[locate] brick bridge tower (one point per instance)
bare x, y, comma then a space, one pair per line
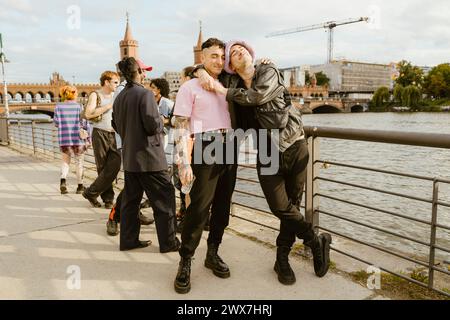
198, 48
128, 46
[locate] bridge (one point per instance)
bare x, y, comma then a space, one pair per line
45, 108
40, 97
318, 105
332, 105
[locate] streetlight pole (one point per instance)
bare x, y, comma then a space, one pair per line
5, 89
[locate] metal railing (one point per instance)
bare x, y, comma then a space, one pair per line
313, 210
29, 136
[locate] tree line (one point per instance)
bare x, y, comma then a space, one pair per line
415, 90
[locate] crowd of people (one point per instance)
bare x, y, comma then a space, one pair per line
129, 125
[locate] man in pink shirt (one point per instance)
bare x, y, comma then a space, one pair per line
198, 112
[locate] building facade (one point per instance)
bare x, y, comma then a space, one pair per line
174, 79
356, 77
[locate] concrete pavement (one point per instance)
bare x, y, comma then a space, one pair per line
46, 238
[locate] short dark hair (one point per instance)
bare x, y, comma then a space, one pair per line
162, 85
211, 42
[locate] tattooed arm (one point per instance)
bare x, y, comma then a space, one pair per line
183, 149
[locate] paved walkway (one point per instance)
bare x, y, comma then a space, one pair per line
43, 233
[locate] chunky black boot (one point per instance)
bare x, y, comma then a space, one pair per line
215, 263
145, 221
285, 273
80, 189
112, 228
183, 280
320, 247
63, 187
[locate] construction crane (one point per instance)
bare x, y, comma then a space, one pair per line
327, 25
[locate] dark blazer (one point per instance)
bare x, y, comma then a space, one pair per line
136, 119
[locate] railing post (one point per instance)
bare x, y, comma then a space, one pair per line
19, 127
4, 136
54, 142
434, 214
312, 184
32, 137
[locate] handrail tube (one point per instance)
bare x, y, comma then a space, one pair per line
375, 190
441, 248
376, 209
257, 223
375, 228
440, 203
422, 263
432, 140
253, 208
398, 255
376, 170
250, 194
247, 180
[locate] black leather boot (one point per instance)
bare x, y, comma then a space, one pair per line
285, 273
183, 280
145, 221
320, 247
63, 187
215, 263
80, 189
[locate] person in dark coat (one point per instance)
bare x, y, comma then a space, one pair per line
136, 119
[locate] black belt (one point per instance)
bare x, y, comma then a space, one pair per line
211, 135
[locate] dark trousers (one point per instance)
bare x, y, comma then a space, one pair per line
284, 191
108, 160
161, 193
212, 189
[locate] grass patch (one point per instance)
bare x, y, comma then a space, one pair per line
252, 238
333, 265
398, 288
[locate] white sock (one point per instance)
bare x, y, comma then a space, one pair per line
64, 170
80, 164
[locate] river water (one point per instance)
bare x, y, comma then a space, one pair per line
428, 162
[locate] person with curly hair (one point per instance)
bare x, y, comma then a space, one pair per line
161, 89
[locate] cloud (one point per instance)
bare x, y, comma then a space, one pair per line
19, 6
78, 45
38, 41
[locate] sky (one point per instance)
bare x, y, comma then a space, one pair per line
41, 37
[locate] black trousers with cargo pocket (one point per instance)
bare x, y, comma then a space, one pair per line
108, 160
